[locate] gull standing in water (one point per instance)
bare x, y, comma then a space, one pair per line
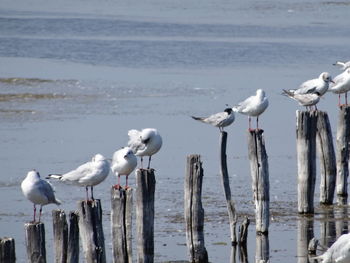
38, 191
320, 85
124, 162
307, 100
220, 120
88, 174
338, 252
341, 85
342, 65
253, 106
146, 142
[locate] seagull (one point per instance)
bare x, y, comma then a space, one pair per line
38, 191
124, 162
341, 85
307, 100
146, 142
320, 85
220, 120
338, 252
342, 65
88, 174
253, 106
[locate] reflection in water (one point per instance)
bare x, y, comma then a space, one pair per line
305, 234
327, 228
262, 253
341, 223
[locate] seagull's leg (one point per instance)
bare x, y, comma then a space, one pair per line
149, 162
34, 213
346, 98
126, 182
92, 193
87, 193
339, 100
41, 209
257, 122
249, 123
141, 162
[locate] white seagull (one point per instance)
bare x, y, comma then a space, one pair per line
38, 191
320, 85
338, 252
307, 100
341, 85
220, 120
253, 106
88, 174
124, 162
342, 65
146, 142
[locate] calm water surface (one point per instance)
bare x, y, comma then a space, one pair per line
75, 76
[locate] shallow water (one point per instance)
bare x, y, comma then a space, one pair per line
75, 76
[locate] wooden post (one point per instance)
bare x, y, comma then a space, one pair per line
243, 254
227, 190
145, 189
60, 235
327, 225
312, 247
343, 141
327, 158
91, 231
7, 250
305, 233
194, 212
260, 179
73, 238
243, 231
121, 220
262, 252
306, 155
35, 242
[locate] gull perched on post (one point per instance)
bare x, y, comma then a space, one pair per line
88, 174
146, 142
320, 85
341, 85
124, 162
220, 120
253, 106
38, 191
307, 100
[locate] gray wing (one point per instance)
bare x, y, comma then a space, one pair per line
244, 104
47, 190
77, 174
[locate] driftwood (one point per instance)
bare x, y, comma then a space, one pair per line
91, 231
343, 141
121, 223
306, 155
145, 189
260, 179
327, 158
194, 212
35, 242
7, 250
226, 186
73, 238
60, 235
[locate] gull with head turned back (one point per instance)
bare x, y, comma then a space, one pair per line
38, 191
88, 174
146, 142
253, 106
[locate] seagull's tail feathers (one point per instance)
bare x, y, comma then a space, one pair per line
54, 176
288, 93
235, 109
197, 118
58, 202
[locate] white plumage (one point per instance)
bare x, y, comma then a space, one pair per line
320, 85
220, 120
124, 162
307, 100
342, 65
146, 142
339, 252
38, 191
341, 85
88, 174
253, 106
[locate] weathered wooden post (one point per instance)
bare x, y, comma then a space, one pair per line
262, 251
304, 235
35, 242
194, 212
91, 231
7, 250
243, 231
260, 179
343, 141
60, 235
227, 190
145, 189
327, 158
306, 155
73, 238
121, 220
